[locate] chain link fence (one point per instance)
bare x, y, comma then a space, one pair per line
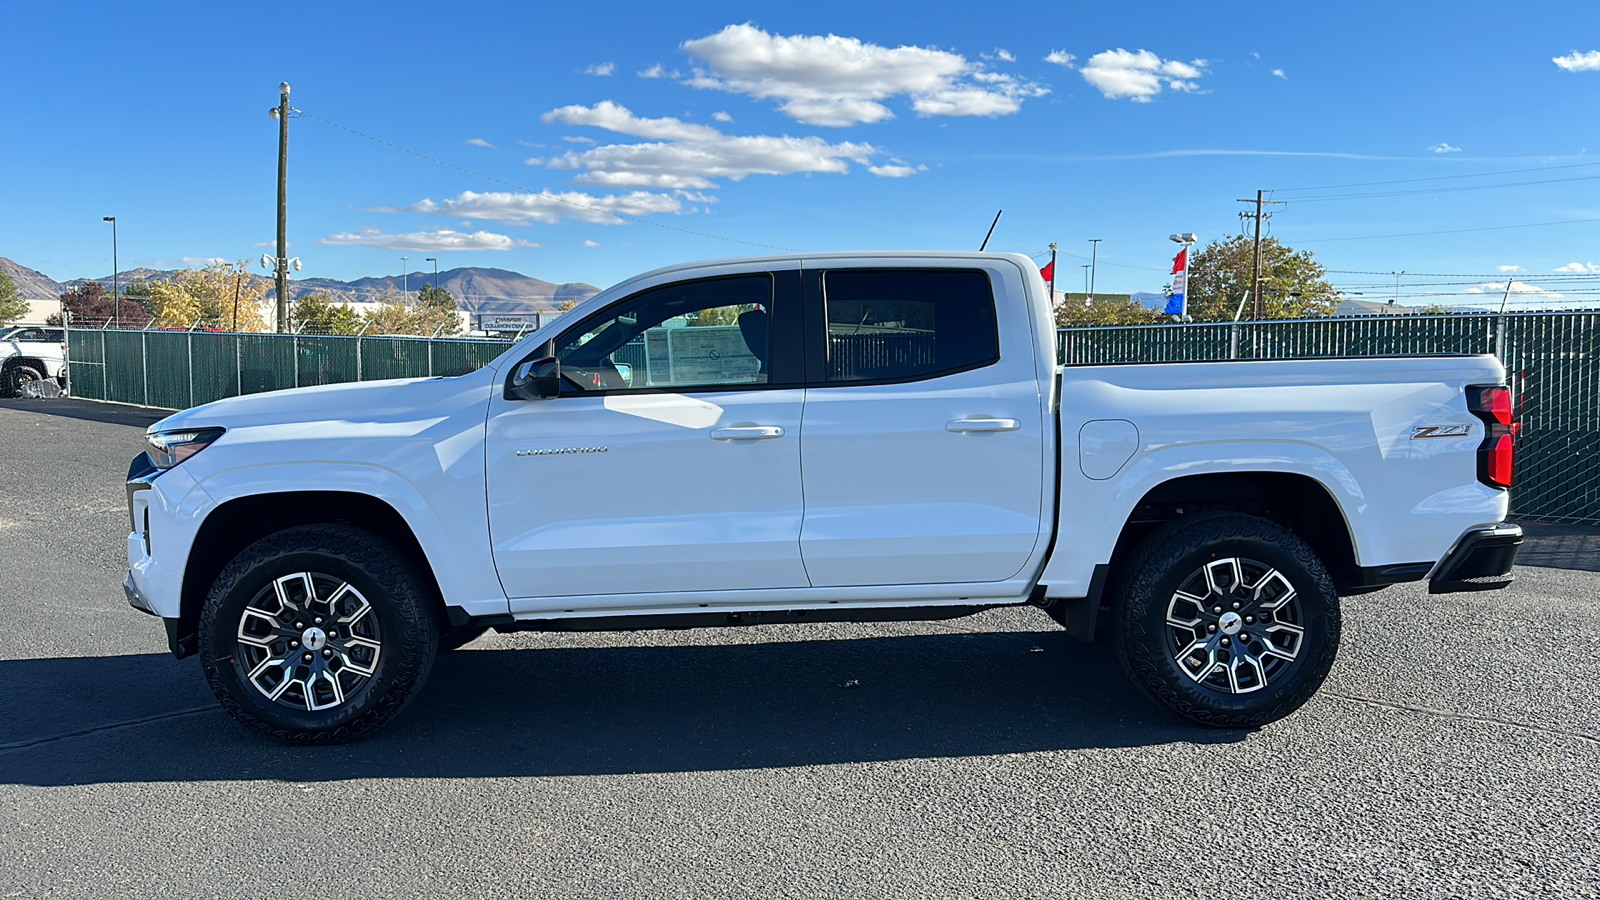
1552, 361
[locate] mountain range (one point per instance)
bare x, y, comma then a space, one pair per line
476, 290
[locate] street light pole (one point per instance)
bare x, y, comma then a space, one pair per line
116, 300
1088, 301
435, 262
1094, 259
404, 284
281, 113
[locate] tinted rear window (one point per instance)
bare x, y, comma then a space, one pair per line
906, 324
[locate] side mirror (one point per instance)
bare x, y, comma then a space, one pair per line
535, 378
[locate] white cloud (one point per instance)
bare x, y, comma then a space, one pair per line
1001, 54
272, 244
1579, 268
1278, 73
1510, 268
601, 69
550, 207
1517, 287
533, 161
1140, 76
1443, 147
199, 262
1579, 62
588, 243
575, 139
480, 142
531, 144
838, 81
896, 169
655, 71
438, 240
721, 116
690, 156
1060, 58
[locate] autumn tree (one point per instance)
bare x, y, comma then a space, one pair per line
221, 295
91, 306
317, 314
1294, 286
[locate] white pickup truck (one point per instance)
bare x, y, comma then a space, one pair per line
29, 354
814, 438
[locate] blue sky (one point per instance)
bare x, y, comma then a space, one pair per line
907, 129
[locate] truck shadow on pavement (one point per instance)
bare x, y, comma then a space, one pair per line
599, 711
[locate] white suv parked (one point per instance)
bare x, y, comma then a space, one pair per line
31, 354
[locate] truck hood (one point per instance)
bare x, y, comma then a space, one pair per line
337, 406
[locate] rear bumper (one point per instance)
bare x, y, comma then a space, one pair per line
1480, 561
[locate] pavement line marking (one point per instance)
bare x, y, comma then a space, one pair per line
1470, 717
25, 745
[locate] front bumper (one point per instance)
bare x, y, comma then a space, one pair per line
1481, 561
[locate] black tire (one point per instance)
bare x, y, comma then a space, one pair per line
1241, 694
371, 671
18, 376
456, 638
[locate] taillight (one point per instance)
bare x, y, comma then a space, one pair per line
1492, 404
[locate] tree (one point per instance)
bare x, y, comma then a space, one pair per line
1106, 311
222, 295
12, 306
92, 307
720, 315
438, 308
1293, 282
402, 315
317, 314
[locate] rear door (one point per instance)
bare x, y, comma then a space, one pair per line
922, 452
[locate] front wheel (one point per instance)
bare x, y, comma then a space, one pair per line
1228, 620
317, 634
18, 378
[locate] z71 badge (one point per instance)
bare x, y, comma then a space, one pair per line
1439, 431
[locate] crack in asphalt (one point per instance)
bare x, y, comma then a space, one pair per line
95, 729
1467, 717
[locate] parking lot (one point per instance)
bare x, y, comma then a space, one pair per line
1453, 751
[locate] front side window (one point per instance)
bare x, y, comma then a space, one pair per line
908, 324
693, 334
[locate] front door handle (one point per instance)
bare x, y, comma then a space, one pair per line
747, 433
982, 424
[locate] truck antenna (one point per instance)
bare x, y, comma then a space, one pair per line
991, 231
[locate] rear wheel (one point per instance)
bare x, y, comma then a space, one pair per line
19, 377
1227, 619
317, 635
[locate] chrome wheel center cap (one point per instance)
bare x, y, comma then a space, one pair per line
316, 638
1230, 624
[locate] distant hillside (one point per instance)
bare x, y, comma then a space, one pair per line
477, 290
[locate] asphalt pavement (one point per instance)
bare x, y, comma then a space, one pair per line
1453, 751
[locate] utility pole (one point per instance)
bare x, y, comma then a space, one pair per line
435, 262
281, 113
1088, 301
405, 284
1094, 258
1255, 270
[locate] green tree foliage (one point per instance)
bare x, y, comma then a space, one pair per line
1073, 313
91, 306
721, 315
438, 307
1294, 286
316, 314
12, 306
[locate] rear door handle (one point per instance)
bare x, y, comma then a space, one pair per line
747, 433
982, 424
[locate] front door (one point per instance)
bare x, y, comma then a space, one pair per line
670, 461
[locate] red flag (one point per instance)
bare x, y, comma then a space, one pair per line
1048, 271
1178, 261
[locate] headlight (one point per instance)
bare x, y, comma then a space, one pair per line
168, 448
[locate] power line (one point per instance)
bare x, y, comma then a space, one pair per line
541, 193
1449, 190
1371, 237
1329, 187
